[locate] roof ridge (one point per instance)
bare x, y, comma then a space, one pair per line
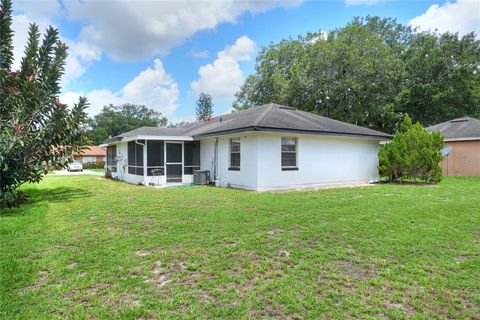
268, 108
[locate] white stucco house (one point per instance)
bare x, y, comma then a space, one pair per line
271, 147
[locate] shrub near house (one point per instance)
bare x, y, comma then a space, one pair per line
414, 153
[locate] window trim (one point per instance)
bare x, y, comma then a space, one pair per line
230, 167
289, 168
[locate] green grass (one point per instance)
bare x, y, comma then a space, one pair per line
87, 247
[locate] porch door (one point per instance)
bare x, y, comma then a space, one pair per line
174, 164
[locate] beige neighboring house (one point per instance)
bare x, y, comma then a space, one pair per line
462, 140
92, 154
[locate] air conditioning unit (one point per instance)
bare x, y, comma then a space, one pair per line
201, 177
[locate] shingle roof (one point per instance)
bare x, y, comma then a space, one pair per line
462, 128
93, 151
269, 117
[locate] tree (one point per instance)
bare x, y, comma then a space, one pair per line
204, 107
36, 129
372, 72
413, 153
115, 120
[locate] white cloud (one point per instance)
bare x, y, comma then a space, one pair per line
132, 30
80, 55
350, 3
222, 78
462, 16
152, 87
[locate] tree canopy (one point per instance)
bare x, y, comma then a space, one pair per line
115, 120
204, 107
36, 129
371, 72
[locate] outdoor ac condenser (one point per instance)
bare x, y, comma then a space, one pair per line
201, 177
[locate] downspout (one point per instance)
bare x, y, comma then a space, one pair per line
215, 159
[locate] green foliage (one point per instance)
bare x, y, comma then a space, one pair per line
413, 153
36, 129
115, 120
204, 107
94, 165
371, 72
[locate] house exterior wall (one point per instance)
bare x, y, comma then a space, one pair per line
322, 160
83, 159
246, 177
463, 160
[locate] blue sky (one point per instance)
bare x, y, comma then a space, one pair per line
163, 54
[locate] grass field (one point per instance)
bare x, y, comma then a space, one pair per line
87, 247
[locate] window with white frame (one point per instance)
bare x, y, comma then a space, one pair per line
234, 154
289, 153
88, 159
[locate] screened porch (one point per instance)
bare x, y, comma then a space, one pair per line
155, 162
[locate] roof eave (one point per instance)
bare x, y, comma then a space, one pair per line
461, 139
298, 131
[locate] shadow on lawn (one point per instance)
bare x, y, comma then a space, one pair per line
59, 194
54, 195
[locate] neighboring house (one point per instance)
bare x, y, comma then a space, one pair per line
462, 139
92, 154
271, 147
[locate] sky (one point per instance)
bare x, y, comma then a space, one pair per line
163, 54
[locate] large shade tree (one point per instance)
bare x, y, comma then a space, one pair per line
371, 72
36, 129
115, 120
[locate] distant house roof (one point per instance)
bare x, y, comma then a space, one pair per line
269, 117
92, 151
465, 128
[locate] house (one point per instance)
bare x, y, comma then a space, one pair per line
271, 147
92, 154
462, 151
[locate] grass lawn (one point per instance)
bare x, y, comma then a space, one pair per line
96, 170
87, 247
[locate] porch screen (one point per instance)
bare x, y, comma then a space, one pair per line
111, 154
135, 157
191, 156
155, 159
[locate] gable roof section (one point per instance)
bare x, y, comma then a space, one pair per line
464, 128
269, 117
93, 151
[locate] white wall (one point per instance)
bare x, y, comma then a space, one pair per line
246, 177
322, 160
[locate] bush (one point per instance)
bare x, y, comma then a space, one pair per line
94, 165
413, 154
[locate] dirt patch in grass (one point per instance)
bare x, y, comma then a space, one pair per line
159, 276
355, 270
41, 280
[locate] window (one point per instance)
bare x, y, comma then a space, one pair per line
289, 153
111, 154
191, 156
234, 154
135, 157
88, 159
155, 157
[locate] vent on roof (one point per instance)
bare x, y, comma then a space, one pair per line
287, 108
459, 120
